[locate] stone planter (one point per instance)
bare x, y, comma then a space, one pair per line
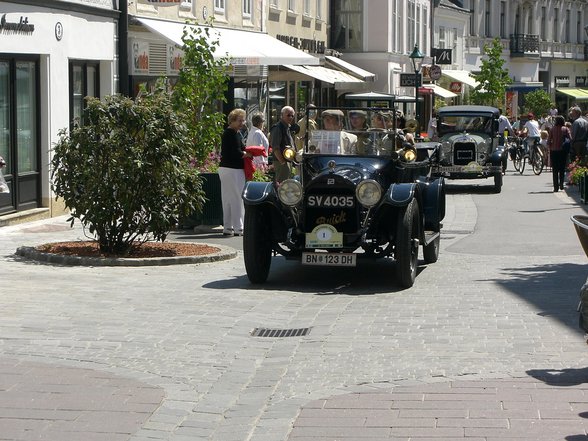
583, 186
581, 225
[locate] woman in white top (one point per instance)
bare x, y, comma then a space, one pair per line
257, 137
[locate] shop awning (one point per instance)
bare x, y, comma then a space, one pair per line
578, 94
438, 90
242, 47
463, 76
325, 74
350, 68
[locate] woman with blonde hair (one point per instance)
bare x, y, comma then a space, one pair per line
232, 175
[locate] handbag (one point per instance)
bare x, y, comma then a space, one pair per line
566, 144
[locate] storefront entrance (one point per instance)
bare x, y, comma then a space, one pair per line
19, 132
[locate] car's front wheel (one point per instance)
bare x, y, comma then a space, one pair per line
407, 244
257, 245
431, 251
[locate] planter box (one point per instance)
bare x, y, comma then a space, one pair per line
212, 212
583, 185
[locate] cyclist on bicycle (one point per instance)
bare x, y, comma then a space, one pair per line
531, 131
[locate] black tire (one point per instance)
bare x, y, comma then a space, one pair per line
519, 161
257, 245
538, 162
497, 182
523, 162
407, 244
431, 251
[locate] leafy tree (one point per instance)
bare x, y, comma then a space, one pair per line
200, 91
493, 78
126, 173
539, 102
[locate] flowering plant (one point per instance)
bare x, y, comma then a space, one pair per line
210, 163
577, 169
260, 173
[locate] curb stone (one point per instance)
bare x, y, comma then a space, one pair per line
224, 253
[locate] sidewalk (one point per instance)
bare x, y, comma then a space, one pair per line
165, 353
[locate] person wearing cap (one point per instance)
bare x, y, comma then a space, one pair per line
280, 138
359, 127
531, 131
307, 125
579, 133
333, 121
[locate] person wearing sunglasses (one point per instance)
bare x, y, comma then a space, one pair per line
280, 138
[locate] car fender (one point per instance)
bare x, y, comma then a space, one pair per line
256, 193
400, 195
497, 156
434, 203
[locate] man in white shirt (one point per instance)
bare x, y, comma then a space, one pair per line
532, 131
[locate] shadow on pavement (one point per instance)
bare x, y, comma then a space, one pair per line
485, 187
368, 278
561, 377
553, 289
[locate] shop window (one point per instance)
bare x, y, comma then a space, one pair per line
83, 82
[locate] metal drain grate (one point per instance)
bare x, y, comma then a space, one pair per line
279, 333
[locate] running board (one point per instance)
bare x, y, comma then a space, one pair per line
430, 236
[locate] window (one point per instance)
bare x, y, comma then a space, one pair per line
186, 5
83, 82
579, 28
219, 6
473, 30
425, 26
319, 9
487, 11
556, 24
442, 44
568, 25
346, 25
247, 8
396, 34
291, 5
306, 7
274, 3
411, 25
543, 30
502, 19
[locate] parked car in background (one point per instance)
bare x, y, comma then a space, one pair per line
359, 195
470, 146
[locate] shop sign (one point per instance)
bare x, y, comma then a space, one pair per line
21, 27
164, 2
140, 57
408, 80
304, 44
455, 87
105, 4
442, 56
175, 57
425, 91
562, 81
580, 81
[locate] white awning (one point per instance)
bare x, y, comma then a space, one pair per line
463, 76
325, 74
242, 47
350, 68
438, 90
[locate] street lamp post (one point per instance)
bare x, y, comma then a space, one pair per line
417, 61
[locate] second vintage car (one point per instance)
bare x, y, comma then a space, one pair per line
360, 194
470, 145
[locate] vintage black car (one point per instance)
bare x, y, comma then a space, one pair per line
360, 194
470, 144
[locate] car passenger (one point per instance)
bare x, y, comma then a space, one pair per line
333, 121
359, 127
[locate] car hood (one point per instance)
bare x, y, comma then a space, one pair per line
350, 169
465, 137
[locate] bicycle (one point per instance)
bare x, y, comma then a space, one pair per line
517, 153
536, 158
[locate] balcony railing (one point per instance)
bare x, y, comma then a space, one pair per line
524, 45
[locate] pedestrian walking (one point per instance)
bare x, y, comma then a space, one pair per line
579, 133
558, 134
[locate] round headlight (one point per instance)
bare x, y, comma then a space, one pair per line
368, 193
289, 154
290, 192
409, 155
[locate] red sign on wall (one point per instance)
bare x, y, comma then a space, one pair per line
455, 87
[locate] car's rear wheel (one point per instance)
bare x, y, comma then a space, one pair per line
407, 244
431, 251
257, 245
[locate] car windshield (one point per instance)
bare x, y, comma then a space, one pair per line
354, 131
459, 123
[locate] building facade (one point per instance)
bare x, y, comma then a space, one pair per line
51, 57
